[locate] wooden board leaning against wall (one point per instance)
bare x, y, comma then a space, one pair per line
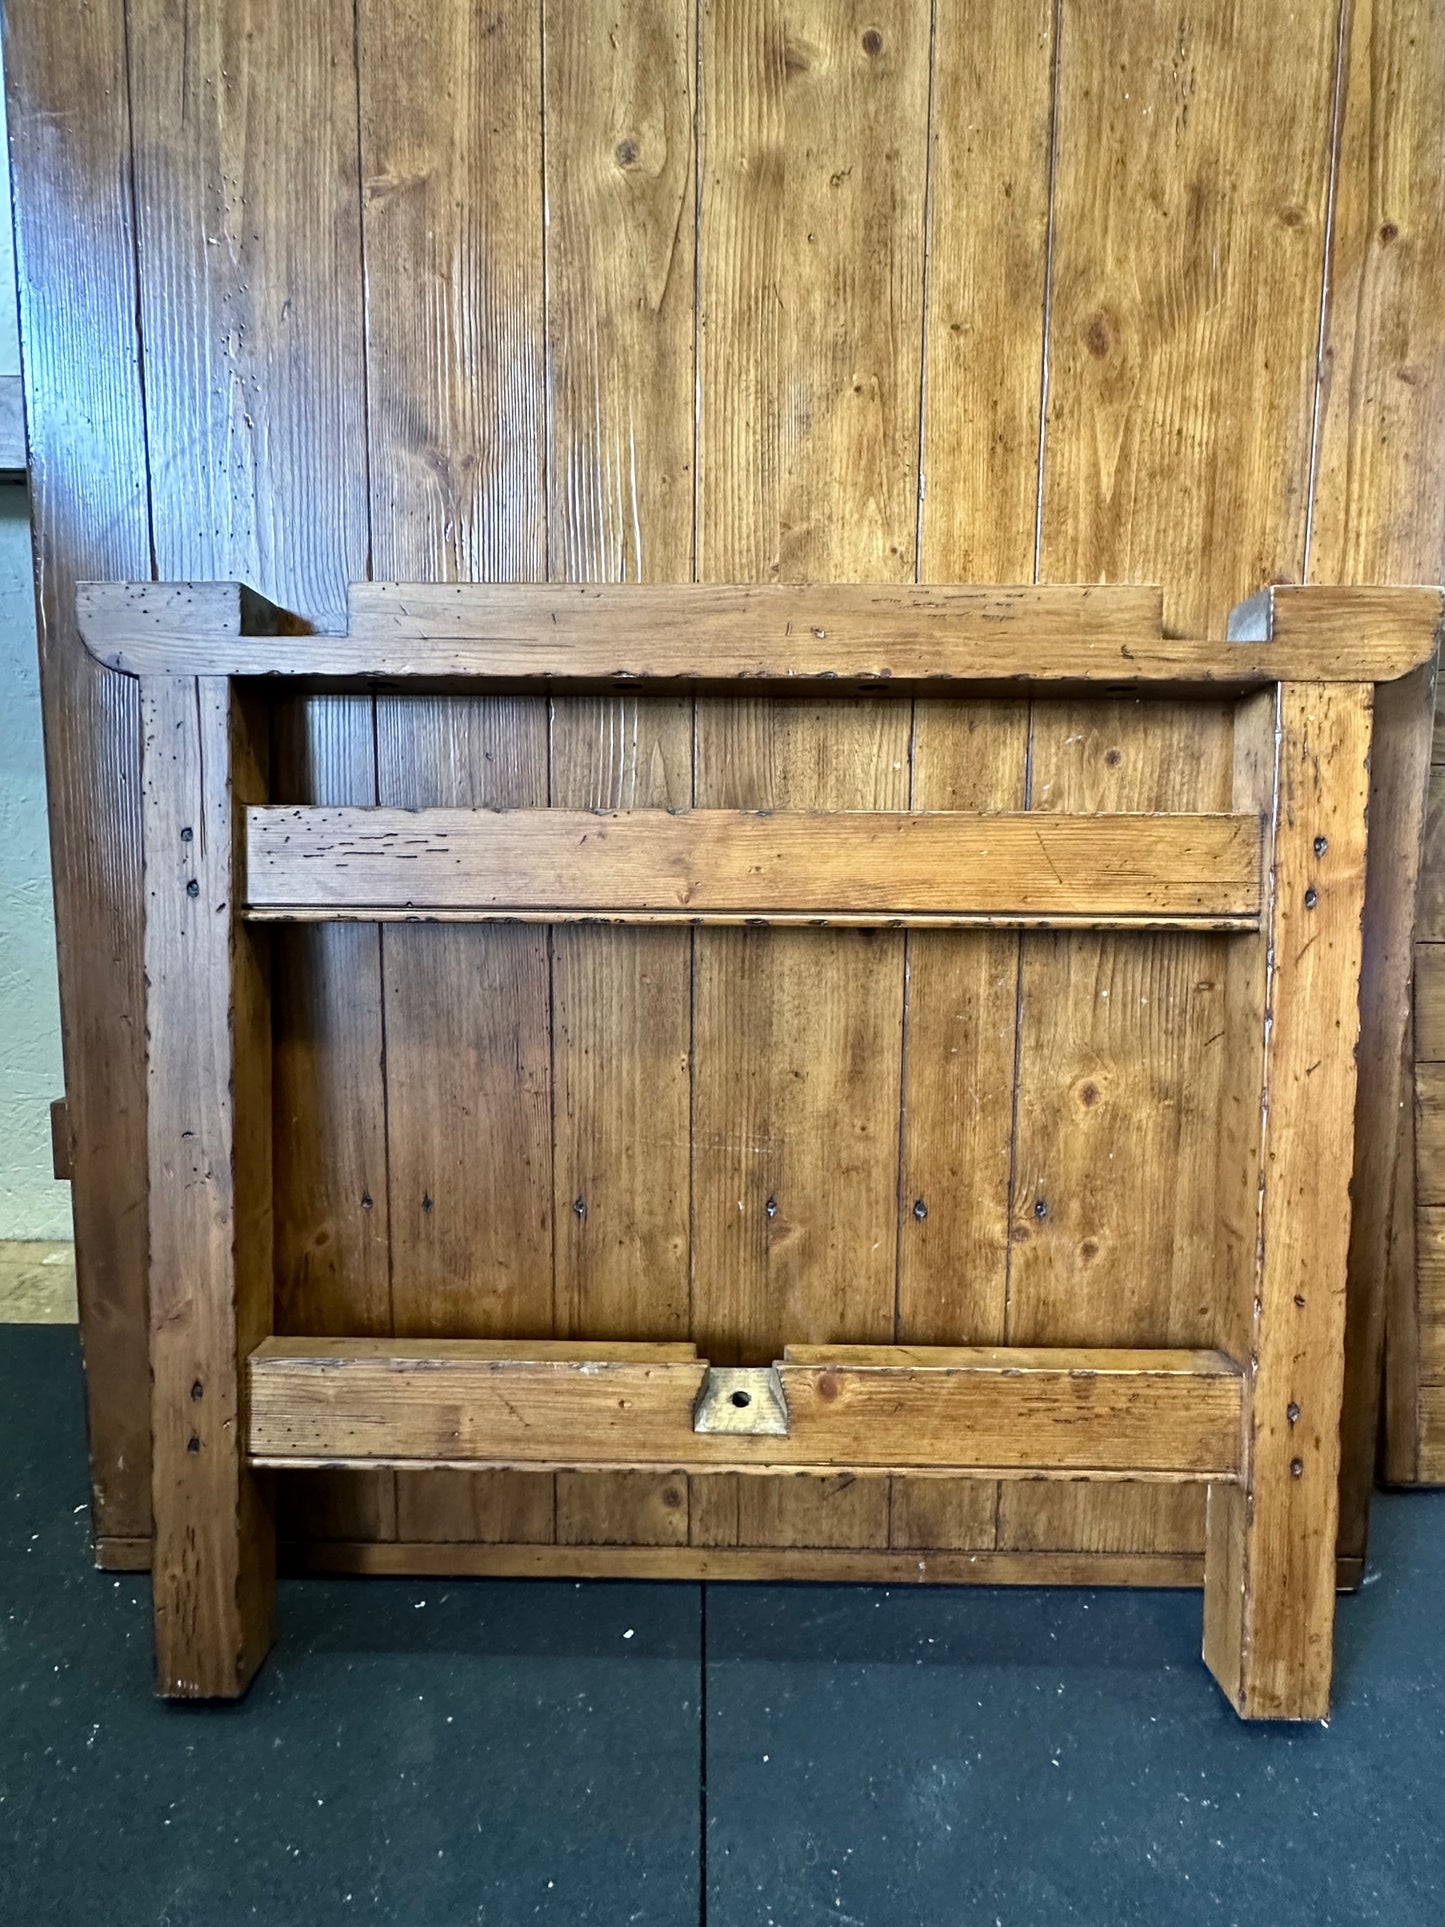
734, 291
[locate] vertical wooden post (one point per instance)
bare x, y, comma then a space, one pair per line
1383, 1191
1270, 1552
208, 1074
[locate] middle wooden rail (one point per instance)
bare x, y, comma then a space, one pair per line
557, 1405
1199, 871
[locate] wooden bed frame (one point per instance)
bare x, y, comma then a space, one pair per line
1255, 1418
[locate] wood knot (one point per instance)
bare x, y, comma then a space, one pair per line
1097, 338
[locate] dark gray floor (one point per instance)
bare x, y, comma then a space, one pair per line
473, 1754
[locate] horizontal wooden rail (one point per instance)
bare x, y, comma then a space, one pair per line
837, 634
1163, 1415
699, 865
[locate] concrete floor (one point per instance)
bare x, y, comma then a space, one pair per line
37, 1283
449, 1753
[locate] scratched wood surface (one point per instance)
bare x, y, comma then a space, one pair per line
248, 244
738, 290
1379, 515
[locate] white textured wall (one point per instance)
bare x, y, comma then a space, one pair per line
32, 1204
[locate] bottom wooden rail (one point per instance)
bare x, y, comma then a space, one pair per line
825, 1565
551, 1406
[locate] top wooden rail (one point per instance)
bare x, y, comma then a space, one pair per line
848, 634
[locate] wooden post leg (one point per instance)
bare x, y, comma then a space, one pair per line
208, 1066
1270, 1553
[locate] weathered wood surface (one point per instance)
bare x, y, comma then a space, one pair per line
764, 634
250, 312
751, 864
620, 175
1270, 1559
1144, 191
1378, 515
207, 1020
89, 492
1170, 1415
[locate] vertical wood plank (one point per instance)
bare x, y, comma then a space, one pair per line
249, 249
69, 120
333, 1258
1270, 1556
1379, 516
814, 160
620, 167
209, 1128
451, 155
984, 339
1399, 772
1189, 222
1189, 215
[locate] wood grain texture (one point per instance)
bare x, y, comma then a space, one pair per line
837, 635
1270, 1560
210, 1210
69, 126
1415, 1352
1182, 250
744, 863
1192, 151
1409, 1303
620, 168
1168, 1414
333, 1251
1429, 1003
1403, 716
1379, 516
988, 237
826, 1565
451, 159
810, 290
249, 250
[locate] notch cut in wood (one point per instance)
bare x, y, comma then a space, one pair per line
742, 1399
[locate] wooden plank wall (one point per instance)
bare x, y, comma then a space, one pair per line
714, 289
